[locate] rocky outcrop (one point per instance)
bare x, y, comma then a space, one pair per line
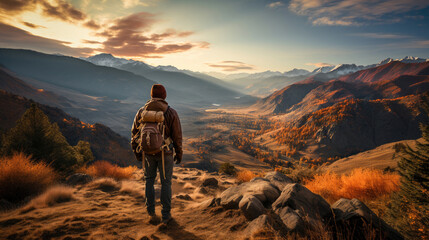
297, 207
278, 179
251, 207
297, 211
356, 214
260, 188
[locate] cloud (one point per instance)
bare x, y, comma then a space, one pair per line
231, 66
380, 35
321, 64
354, 12
133, 3
31, 25
57, 9
126, 37
275, 4
13, 37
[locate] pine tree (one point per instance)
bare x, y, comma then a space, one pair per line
83, 149
409, 210
34, 135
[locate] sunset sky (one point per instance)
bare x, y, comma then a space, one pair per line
221, 35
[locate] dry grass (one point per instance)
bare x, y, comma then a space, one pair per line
20, 177
364, 184
247, 175
106, 184
132, 188
106, 169
52, 196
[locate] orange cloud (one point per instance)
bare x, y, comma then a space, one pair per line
231, 66
125, 37
321, 64
57, 9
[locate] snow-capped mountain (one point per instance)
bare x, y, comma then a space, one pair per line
108, 60
325, 69
296, 72
168, 68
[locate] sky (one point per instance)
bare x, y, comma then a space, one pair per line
228, 36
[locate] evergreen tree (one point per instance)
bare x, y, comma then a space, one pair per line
35, 135
409, 210
83, 149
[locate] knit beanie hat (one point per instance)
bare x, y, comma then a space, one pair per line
158, 91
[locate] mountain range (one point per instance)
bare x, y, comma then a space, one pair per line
265, 83
103, 94
387, 106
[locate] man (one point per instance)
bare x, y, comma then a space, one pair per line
151, 163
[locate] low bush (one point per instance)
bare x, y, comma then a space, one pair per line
107, 169
364, 184
228, 169
246, 175
21, 177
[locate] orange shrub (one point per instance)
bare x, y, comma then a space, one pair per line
246, 175
364, 184
106, 169
21, 177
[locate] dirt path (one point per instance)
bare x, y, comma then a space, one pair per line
106, 209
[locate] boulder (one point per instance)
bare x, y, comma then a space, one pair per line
259, 188
251, 207
307, 205
78, 178
278, 179
291, 220
210, 182
356, 214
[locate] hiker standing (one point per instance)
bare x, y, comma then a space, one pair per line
153, 120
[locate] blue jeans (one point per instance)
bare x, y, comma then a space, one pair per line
152, 163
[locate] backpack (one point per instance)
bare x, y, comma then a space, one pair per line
152, 129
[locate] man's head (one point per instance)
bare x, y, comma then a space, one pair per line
158, 91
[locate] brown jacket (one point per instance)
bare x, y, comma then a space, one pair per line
173, 129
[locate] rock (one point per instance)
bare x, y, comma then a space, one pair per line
184, 197
210, 203
357, 214
292, 220
78, 178
251, 207
260, 188
307, 205
210, 182
262, 223
202, 190
278, 179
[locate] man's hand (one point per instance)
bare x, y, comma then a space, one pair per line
177, 160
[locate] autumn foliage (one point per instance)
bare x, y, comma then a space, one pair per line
246, 175
106, 169
20, 177
364, 184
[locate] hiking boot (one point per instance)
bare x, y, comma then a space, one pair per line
166, 220
153, 219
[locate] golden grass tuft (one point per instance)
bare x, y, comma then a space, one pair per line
364, 184
107, 169
20, 177
52, 196
247, 175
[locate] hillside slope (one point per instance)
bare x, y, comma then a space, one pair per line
105, 144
